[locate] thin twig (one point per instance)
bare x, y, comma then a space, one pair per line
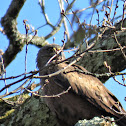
118, 81
16, 90
79, 11
49, 96
119, 45
123, 15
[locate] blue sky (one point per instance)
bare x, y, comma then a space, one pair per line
32, 12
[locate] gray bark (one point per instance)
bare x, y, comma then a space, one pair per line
94, 62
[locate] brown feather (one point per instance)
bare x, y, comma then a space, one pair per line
87, 98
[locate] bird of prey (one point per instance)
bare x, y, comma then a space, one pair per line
87, 98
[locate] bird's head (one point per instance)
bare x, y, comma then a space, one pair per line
49, 53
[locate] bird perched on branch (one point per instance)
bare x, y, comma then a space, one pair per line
75, 95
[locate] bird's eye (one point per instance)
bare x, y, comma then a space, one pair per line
51, 49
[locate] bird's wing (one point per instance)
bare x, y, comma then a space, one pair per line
88, 87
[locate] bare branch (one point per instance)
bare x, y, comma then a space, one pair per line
47, 96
